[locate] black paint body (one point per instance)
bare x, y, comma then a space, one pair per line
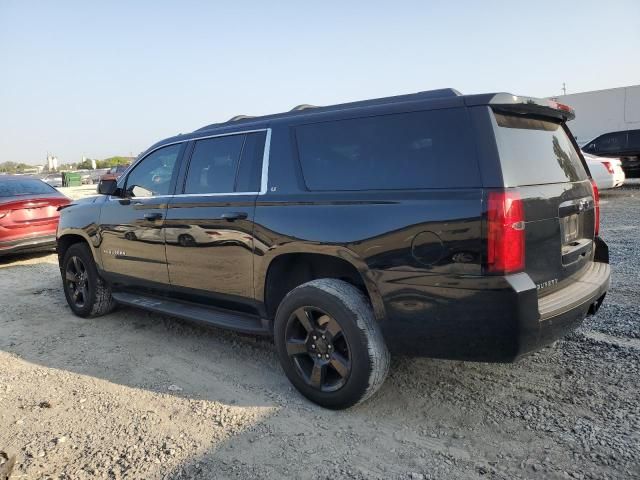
418, 254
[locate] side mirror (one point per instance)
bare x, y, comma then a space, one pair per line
107, 187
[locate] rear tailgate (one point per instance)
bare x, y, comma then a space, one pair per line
540, 161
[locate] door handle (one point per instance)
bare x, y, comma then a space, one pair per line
153, 216
231, 216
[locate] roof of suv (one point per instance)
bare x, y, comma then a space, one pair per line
305, 109
441, 98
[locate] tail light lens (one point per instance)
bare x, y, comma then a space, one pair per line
608, 166
596, 201
505, 232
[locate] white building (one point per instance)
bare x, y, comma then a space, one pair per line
52, 162
603, 111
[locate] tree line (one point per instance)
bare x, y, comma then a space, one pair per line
19, 167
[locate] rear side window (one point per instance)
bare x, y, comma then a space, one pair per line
608, 143
226, 164
250, 169
214, 164
430, 149
535, 151
633, 140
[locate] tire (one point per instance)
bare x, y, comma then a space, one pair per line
79, 274
186, 240
329, 343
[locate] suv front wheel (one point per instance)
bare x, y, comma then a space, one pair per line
329, 343
87, 293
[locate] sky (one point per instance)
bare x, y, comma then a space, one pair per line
111, 78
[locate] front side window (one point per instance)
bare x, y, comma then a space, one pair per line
152, 176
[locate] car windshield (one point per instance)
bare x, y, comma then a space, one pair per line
25, 186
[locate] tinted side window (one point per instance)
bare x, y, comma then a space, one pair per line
611, 142
214, 165
430, 149
633, 140
153, 175
250, 170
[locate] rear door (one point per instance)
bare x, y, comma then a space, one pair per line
539, 160
209, 224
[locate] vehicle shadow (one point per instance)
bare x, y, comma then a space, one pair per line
13, 259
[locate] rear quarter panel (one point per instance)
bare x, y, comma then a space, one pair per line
427, 236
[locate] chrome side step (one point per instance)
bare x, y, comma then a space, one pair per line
216, 317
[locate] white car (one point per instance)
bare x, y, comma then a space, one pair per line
53, 179
607, 172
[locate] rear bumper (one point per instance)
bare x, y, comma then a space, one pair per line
562, 311
488, 319
43, 242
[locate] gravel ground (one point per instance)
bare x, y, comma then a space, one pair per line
138, 395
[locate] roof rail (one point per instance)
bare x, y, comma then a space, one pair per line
439, 93
299, 109
240, 117
302, 106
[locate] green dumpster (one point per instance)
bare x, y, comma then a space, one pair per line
71, 179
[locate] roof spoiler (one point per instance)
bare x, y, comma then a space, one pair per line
530, 105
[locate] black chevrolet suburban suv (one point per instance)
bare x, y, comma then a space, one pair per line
433, 224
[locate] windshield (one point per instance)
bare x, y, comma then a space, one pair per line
24, 186
535, 151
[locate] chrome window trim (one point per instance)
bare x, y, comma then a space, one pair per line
264, 178
214, 194
134, 199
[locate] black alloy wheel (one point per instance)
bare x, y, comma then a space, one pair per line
77, 279
86, 292
329, 343
318, 348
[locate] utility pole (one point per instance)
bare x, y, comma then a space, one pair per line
564, 88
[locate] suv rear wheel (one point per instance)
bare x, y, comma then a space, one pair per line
329, 343
87, 293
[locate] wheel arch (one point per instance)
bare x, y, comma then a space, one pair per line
292, 267
71, 237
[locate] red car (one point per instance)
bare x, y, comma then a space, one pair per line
115, 173
28, 214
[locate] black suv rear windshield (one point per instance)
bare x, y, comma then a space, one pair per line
24, 186
535, 151
428, 149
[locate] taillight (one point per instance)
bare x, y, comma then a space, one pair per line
560, 106
609, 167
596, 201
505, 232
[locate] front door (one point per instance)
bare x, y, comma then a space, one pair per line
132, 224
209, 224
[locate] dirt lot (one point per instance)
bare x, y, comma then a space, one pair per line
138, 395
